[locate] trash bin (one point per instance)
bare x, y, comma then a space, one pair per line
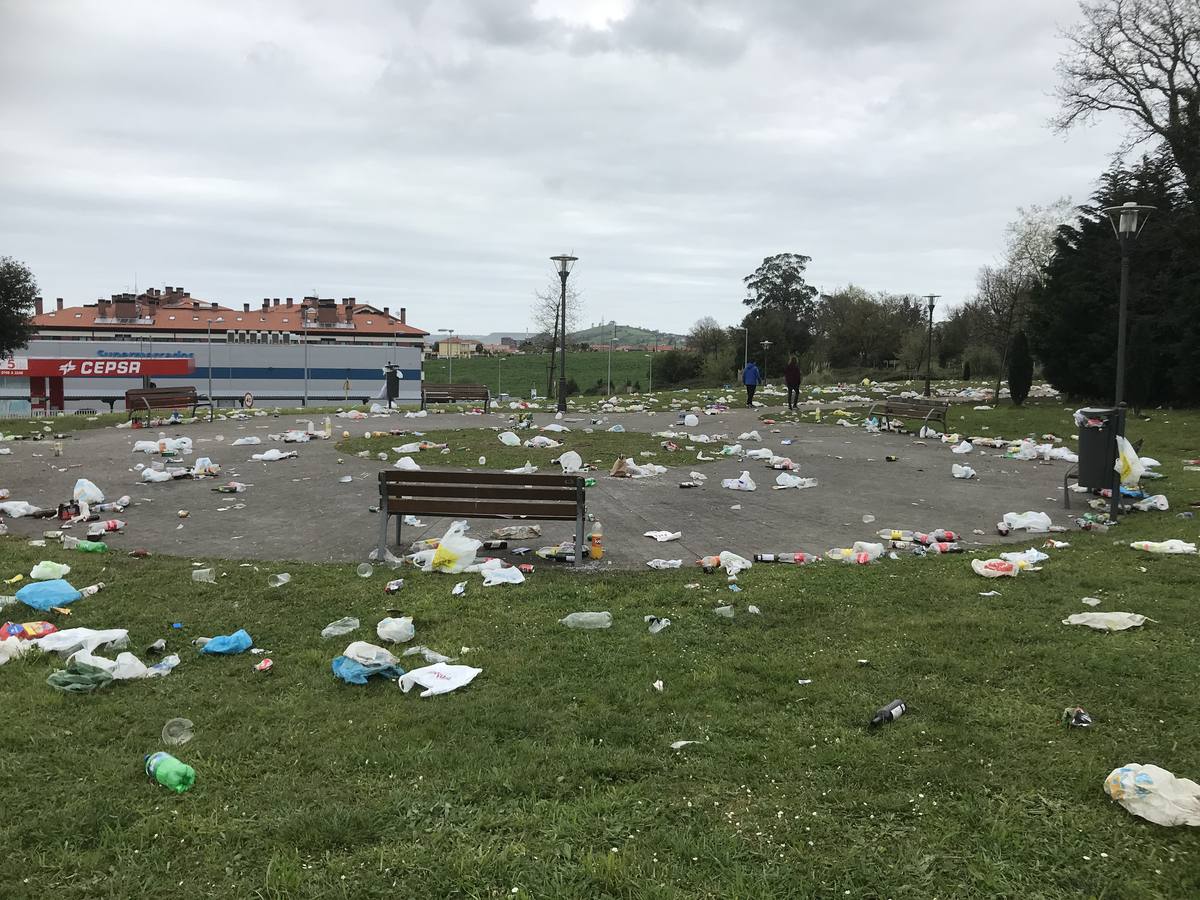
392, 377
1098, 449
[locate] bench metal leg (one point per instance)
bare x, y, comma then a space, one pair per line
399, 525
1066, 493
579, 507
383, 524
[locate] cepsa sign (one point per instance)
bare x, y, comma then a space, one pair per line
31, 367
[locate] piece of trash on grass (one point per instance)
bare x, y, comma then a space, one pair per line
587, 620
278, 580
1091, 601
658, 685
679, 745
344, 625
725, 612
459, 589
804, 681
1154, 794
989, 593
439, 678
1106, 621
754, 610
178, 732
656, 624
1076, 717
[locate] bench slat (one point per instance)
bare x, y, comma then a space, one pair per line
482, 509
451, 491
462, 476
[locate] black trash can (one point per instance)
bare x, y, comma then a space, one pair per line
1098, 449
392, 377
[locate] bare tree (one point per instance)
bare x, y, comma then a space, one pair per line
707, 337
1029, 238
1141, 59
546, 320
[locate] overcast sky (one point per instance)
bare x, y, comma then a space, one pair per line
433, 153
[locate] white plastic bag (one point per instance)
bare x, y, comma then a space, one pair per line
17, 508
541, 442
48, 570
964, 447
509, 575
87, 492
663, 536
691, 421
1030, 557
786, 480
508, 439
396, 630
732, 563
571, 462
455, 551
1174, 545
1128, 463
664, 563
962, 471
406, 464
1154, 794
1106, 621
410, 447
1032, 522
527, 469
440, 678
742, 483
369, 654
993, 568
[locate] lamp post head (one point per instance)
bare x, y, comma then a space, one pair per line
1128, 219
932, 298
563, 263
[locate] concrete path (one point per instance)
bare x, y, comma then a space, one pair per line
297, 509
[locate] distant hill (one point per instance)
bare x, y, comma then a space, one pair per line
624, 334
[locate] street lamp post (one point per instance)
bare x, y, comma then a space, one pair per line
210, 396
746, 346
612, 333
499, 359
304, 310
449, 350
564, 263
765, 345
1127, 220
929, 350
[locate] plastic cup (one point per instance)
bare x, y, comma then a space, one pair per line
279, 580
204, 575
365, 570
178, 732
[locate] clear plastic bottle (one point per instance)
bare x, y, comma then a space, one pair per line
328, 427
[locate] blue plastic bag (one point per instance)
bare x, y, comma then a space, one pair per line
45, 594
352, 671
238, 642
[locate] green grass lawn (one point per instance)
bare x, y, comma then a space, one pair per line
600, 448
520, 372
552, 773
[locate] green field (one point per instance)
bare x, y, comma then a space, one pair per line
520, 372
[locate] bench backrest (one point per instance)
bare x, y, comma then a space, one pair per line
457, 391
905, 404
163, 396
482, 495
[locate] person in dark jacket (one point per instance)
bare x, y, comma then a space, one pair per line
750, 378
791, 374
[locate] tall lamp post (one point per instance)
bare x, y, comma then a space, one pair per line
210, 325
745, 345
929, 349
1127, 220
499, 359
612, 334
765, 345
564, 263
304, 311
449, 350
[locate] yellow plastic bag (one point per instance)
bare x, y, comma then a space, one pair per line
1128, 464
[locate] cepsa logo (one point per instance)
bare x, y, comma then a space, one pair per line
109, 367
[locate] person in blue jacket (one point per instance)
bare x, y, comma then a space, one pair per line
751, 377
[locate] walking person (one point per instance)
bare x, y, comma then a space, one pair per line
751, 377
791, 374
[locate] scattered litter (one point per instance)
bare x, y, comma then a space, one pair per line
1076, 717
396, 630
658, 685
1032, 522
587, 620
725, 612
962, 471
459, 589
279, 580
205, 576
889, 713
226, 644
48, 570
786, 480
170, 772
742, 483
964, 447
663, 536
361, 661
274, 455
406, 464
993, 568
656, 624
178, 732
754, 610
502, 575
1154, 794
344, 625
1172, 546
44, 595
989, 594
679, 745
439, 678
508, 439
1091, 601
664, 563
1106, 621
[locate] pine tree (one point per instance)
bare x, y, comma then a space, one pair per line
1020, 368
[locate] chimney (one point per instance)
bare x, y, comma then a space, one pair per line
326, 312
37, 306
289, 302
403, 316
169, 289
59, 302
212, 306
266, 303
387, 311
245, 307
275, 302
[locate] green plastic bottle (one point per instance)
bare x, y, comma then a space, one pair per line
92, 547
170, 772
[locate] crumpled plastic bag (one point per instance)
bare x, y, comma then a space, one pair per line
48, 570
274, 455
397, 630
127, 667
1128, 463
507, 575
225, 644
440, 678
455, 551
406, 464
79, 677
1154, 794
352, 671
71, 640
518, 532
742, 483
760, 453
46, 594
964, 447
1030, 557
344, 625
411, 447
994, 568
508, 439
527, 469
541, 442
691, 420
1033, 522
732, 563
786, 480
664, 563
87, 492
749, 436
1106, 621
369, 654
962, 471
15, 509
246, 441
570, 461
663, 536
1157, 501
1174, 545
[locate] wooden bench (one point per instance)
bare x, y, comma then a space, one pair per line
905, 408
480, 495
455, 393
147, 399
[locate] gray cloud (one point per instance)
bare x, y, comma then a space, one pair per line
434, 154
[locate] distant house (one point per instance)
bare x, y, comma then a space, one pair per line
455, 348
